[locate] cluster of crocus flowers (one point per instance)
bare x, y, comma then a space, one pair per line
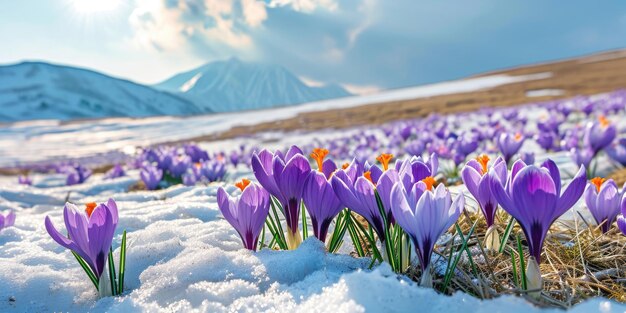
603, 198
247, 212
7, 220
283, 176
478, 183
532, 195
425, 214
89, 236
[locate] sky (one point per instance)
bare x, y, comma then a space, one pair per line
364, 45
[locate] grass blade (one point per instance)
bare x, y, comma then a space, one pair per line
122, 264
112, 273
513, 263
305, 231
507, 232
522, 268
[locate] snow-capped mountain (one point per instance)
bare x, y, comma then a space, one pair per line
37, 90
233, 85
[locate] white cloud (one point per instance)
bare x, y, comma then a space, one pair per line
177, 24
306, 6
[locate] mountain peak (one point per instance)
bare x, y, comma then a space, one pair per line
235, 85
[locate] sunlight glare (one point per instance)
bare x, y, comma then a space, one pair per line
94, 6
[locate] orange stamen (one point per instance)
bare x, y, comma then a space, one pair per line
384, 159
603, 121
243, 184
598, 181
429, 181
318, 155
518, 136
483, 159
345, 165
89, 207
368, 176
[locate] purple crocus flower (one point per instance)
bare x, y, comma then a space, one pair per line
527, 157
356, 191
509, 145
213, 170
246, 213
478, 183
603, 199
532, 195
425, 215
599, 135
196, 153
90, 233
617, 151
321, 203
115, 172
581, 156
76, 174
284, 176
151, 176
24, 180
179, 165
8, 220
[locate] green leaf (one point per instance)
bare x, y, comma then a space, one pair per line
112, 273
87, 270
507, 232
522, 268
513, 263
122, 264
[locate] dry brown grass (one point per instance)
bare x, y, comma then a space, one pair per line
578, 263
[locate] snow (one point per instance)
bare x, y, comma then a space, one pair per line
184, 257
544, 93
28, 142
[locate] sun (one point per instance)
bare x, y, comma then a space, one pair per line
94, 6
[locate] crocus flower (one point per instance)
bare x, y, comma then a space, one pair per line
179, 165
621, 219
509, 145
24, 180
582, 156
284, 176
246, 213
76, 174
603, 199
599, 135
90, 233
478, 183
8, 220
425, 215
321, 203
196, 153
617, 151
115, 172
532, 195
357, 191
151, 176
213, 170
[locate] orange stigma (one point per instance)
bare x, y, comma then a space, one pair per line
429, 181
368, 175
89, 207
243, 184
318, 155
603, 121
598, 181
483, 159
518, 136
384, 159
345, 166
198, 164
